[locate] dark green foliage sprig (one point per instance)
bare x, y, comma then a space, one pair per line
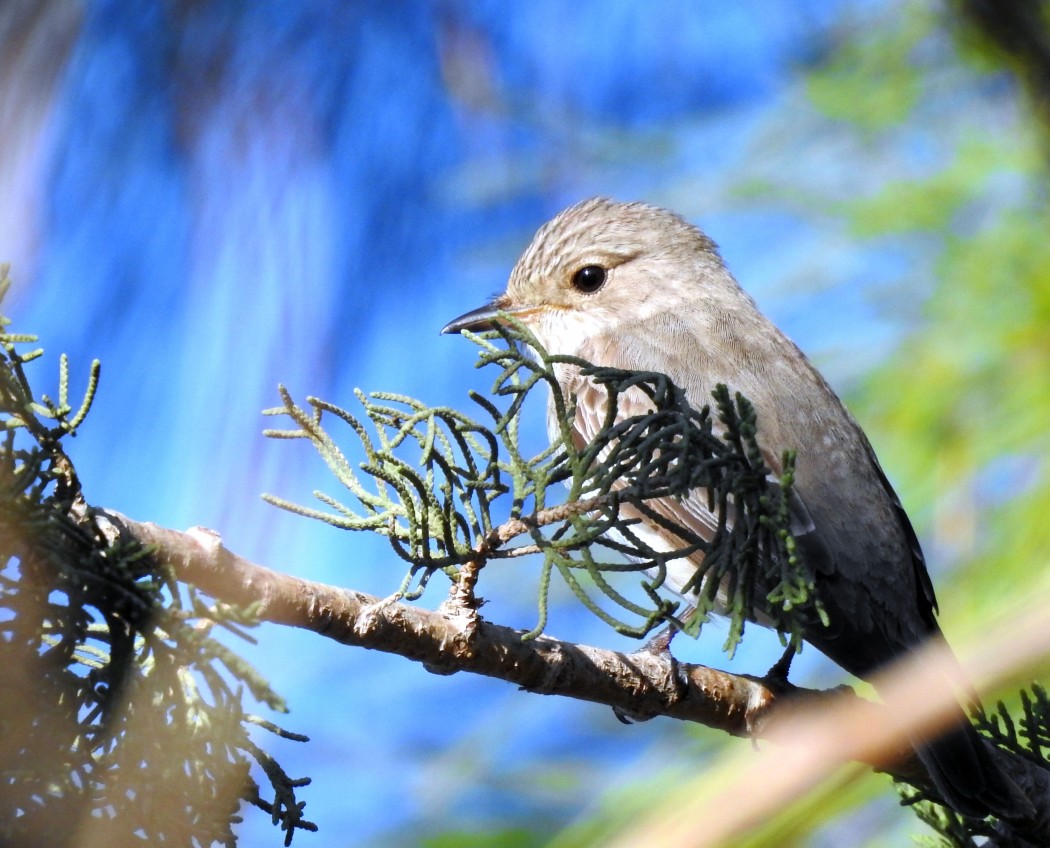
120, 713
1027, 737
433, 479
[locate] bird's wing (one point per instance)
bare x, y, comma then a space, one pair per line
691, 512
928, 600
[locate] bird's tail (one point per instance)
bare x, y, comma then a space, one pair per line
963, 770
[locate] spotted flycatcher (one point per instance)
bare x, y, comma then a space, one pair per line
631, 286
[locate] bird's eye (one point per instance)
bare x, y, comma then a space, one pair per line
589, 278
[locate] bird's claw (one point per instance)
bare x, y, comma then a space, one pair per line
660, 644
778, 672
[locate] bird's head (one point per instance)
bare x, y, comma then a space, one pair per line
601, 264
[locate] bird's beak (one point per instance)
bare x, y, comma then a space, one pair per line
477, 320
485, 317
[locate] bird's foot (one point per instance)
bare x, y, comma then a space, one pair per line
778, 672
772, 684
659, 646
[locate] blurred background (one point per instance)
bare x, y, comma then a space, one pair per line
214, 197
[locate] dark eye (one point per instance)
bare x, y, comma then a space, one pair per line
589, 278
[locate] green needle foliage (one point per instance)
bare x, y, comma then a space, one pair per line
1027, 736
453, 494
120, 714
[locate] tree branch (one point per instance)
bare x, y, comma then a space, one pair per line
455, 639
642, 684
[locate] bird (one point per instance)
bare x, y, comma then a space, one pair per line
634, 286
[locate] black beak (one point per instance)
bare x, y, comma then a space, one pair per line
477, 320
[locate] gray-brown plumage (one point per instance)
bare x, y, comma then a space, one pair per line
632, 286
